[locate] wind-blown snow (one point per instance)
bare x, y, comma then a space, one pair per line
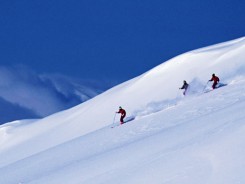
173, 139
20, 90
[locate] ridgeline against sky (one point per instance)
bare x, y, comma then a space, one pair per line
114, 40
171, 138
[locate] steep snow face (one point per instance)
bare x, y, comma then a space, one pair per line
173, 139
198, 140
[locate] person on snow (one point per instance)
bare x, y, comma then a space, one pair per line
123, 114
185, 86
215, 79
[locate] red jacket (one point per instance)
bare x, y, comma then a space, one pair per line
215, 79
122, 111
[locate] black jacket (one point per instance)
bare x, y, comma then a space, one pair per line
185, 86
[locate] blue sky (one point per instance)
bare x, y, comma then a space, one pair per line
111, 39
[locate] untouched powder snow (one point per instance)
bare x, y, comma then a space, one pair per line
199, 138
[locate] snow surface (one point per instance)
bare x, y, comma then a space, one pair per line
196, 139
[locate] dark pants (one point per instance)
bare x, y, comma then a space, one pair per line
121, 119
214, 85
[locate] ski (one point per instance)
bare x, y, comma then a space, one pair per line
128, 119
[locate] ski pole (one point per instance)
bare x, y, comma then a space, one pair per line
114, 119
205, 86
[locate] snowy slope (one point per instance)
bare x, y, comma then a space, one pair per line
196, 139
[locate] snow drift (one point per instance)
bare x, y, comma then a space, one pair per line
173, 139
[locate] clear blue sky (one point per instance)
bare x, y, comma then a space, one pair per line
111, 39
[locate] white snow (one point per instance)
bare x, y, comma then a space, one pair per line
196, 139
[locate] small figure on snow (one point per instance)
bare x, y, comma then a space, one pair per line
215, 79
185, 86
123, 114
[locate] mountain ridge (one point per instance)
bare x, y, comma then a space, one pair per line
173, 139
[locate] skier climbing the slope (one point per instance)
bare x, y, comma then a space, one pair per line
123, 114
185, 86
215, 79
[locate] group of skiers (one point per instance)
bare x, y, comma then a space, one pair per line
214, 78
185, 86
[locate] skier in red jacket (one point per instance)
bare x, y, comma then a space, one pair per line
123, 114
215, 79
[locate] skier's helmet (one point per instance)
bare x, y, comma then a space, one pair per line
120, 107
213, 75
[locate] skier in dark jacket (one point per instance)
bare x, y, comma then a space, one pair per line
185, 86
123, 114
215, 79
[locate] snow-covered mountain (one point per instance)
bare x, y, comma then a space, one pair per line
173, 139
26, 94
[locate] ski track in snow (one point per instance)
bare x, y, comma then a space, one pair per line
139, 132
173, 139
